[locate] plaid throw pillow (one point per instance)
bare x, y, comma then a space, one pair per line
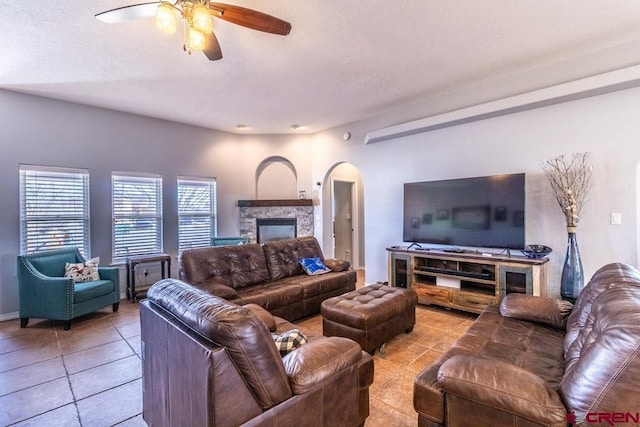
289, 341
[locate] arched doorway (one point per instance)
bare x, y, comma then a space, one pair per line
343, 214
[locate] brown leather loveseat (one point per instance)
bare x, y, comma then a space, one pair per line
268, 275
535, 361
209, 362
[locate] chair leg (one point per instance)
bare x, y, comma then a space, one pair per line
115, 307
23, 322
67, 325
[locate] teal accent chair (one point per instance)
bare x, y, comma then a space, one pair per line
229, 241
45, 293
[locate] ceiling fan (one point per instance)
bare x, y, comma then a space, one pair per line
198, 26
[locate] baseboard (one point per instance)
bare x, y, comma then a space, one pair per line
9, 316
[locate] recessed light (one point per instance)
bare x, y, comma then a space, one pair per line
242, 127
296, 127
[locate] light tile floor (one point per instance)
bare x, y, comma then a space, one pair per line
91, 374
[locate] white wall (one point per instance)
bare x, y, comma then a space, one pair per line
606, 125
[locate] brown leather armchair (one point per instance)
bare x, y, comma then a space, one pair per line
209, 362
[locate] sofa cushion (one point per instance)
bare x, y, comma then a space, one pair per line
86, 291
312, 286
235, 266
272, 296
282, 255
239, 330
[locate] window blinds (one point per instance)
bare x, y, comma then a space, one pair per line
54, 209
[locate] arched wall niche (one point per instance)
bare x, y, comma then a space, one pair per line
276, 178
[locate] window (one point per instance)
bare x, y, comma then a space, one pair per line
137, 215
54, 209
196, 212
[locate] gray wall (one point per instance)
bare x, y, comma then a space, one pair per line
40, 131
35, 130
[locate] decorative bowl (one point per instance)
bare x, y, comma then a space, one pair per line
536, 251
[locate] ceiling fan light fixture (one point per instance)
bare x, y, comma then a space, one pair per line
196, 39
201, 20
197, 22
166, 18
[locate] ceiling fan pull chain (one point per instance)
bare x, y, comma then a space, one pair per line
186, 46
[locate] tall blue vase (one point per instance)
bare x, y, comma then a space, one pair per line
572, 275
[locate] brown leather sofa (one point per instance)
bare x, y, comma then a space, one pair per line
268, 275
535, 361
209, 362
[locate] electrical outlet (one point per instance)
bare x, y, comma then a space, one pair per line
616, 218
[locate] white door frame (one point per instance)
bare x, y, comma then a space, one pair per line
355, 220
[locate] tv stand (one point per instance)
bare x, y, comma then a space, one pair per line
465, 280
454, 250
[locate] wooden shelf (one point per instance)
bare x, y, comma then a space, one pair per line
465, 281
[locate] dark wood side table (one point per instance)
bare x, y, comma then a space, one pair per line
131, 264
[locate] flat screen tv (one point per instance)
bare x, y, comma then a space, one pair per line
486, 212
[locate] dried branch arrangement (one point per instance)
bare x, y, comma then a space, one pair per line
570, 178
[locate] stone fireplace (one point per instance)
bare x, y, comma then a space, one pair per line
279, 219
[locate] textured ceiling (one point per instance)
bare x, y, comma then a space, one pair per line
343, 61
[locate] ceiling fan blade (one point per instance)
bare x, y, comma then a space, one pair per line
128, 13
212, 47
250, 18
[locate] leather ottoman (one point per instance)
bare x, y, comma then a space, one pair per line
371, 315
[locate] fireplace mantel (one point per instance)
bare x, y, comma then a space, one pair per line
274, 203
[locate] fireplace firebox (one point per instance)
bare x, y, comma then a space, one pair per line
275, 229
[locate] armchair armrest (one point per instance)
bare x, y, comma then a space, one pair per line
40, 293
337, 264
548, 311
263, 314
502, 386
48, 287
319, 360
110, 273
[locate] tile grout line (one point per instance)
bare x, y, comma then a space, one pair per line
66, 370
